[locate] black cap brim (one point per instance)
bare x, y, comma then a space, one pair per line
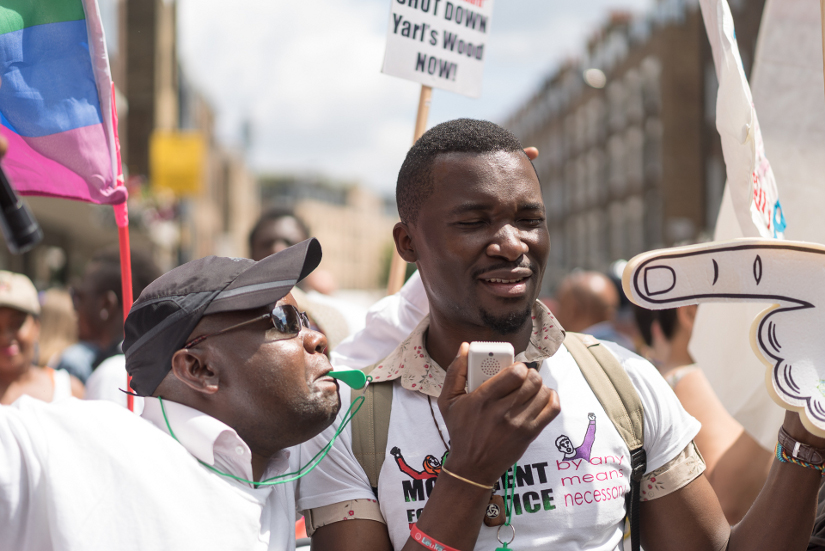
269, 280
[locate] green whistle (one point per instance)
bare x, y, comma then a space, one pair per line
353, 378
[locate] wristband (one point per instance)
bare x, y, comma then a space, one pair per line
467, 480
782, 456
800, 451
421, 538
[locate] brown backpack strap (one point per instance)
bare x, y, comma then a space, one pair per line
617, 395
371, 427
611, 385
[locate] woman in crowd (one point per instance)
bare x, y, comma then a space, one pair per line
737, 465
19, 331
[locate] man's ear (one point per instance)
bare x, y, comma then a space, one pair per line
686, 316
191, 368
110, 304
404, 242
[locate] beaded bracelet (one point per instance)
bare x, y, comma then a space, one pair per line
782, 456
423, 539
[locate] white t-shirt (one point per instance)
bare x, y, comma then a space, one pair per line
569, 492
62, 384
93, 476
106, 382
389, 321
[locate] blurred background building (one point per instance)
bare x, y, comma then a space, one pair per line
630, 159
353, 224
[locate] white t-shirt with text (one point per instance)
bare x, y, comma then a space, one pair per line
570, 485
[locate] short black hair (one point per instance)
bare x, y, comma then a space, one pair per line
415, 179
272, 214
106, 269
645, 318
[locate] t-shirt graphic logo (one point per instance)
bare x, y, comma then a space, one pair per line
431, 466
565, 446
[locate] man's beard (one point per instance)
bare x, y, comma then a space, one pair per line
508, 323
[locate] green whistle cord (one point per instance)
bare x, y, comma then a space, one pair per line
286, 477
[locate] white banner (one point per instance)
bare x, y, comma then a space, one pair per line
787, 88
439, 43
750, 177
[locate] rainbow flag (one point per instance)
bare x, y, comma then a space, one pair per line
57, 101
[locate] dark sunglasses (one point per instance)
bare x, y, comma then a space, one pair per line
286, 320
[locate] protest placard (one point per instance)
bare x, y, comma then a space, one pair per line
439, 43
784, 275
787, 87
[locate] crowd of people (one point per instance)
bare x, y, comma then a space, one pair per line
240, 424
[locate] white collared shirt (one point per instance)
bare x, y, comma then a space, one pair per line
92, 475
210, 441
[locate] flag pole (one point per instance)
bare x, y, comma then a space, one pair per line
122, 221
398, 267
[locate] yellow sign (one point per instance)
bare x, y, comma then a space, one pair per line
176, 161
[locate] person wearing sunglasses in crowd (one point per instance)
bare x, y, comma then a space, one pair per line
233, 381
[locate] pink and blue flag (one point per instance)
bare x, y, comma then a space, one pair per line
57, 101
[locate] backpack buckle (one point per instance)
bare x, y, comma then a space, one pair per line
638, 464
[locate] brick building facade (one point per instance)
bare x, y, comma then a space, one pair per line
630, 159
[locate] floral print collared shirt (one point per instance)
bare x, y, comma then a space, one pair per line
418, 372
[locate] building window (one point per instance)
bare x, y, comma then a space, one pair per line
617, 177
634, 98
653, 151
570, 186
596, 185
651, 73
616, 105
581, 183
555, 206
634, 218
634, 158
617, 231
597, 237
654, 232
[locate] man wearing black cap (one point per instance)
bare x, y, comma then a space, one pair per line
233, 379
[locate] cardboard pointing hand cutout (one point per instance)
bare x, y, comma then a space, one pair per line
787, 337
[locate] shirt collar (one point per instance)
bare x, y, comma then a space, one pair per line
411, 362
208, 439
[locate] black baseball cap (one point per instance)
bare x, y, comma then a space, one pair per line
167, 311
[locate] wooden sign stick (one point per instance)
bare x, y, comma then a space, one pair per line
822, 12
398, 267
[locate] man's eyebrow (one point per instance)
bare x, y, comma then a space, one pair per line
475, 207
470, 207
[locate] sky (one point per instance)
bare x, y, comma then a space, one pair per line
307, 76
